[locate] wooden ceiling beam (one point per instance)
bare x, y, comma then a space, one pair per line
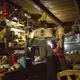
40, 5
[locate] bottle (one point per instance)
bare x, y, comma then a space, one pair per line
23, 61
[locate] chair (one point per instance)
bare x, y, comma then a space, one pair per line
1, 75
68, 73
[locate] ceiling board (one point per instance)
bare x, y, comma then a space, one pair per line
27, 6
65, 10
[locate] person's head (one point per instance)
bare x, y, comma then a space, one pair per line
52, 43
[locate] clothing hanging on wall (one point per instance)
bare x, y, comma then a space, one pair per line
42, 49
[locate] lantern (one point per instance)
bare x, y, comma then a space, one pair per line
5, 10
59, 33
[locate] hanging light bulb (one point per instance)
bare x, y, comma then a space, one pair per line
15, 9
14, 18
27, 15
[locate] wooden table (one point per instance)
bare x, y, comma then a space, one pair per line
76, 66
